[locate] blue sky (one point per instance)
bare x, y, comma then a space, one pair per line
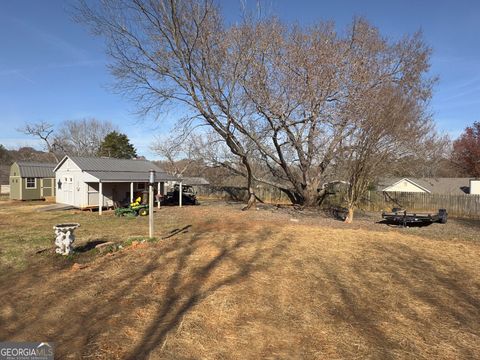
53, 69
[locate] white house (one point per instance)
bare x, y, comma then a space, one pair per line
452, 186
97, 182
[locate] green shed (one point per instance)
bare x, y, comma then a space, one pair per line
31, 180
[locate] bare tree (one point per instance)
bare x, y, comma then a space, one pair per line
393, 126
281, 99
83, 137
178, 152
45, 132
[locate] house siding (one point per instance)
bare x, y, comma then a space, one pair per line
18, 186
405, 186
15, 182
31, 194
71, 189
475, 187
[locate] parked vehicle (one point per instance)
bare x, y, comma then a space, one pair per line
189, 196
135, 208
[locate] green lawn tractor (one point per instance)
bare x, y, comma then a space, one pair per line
134, 209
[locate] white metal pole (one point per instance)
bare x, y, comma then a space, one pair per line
158, 196
180, 194
131, 192
150, 203
100, 198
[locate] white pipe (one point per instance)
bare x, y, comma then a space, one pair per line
180, 195
150, 203
100, 198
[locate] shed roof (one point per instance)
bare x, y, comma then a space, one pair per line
119, 170
36, 169
128, 176
433, 185
195, 181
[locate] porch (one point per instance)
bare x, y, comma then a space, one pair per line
108, 194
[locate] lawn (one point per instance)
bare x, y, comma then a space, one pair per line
219, 283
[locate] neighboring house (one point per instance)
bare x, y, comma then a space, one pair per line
31, 180
452, 186
98, 182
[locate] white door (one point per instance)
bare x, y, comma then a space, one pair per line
68, 183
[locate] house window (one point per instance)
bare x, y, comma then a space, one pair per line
140, 186
31, 183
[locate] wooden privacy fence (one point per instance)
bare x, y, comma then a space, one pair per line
266, 194
467, 206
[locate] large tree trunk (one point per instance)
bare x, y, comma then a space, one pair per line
251, 192
349, 218
308, 197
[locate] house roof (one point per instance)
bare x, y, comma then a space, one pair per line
433, 185
118, 170
195, 181
36, 169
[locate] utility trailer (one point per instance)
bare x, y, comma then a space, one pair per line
402, 217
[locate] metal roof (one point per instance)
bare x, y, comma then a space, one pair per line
36, 170
195, 181
128, 176
111, 164
119, 170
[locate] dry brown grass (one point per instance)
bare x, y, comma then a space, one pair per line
235, 285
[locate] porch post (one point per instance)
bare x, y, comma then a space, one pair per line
158, 195
131, 192
100, 198
180, 194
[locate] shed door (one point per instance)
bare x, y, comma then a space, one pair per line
68, 183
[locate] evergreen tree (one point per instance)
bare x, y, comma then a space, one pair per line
117, 145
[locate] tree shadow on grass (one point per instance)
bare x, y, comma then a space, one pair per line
90, 245
469, 223
176, 231
385, 303
85, 310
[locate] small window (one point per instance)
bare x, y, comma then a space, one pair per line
31, 183
140, 186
